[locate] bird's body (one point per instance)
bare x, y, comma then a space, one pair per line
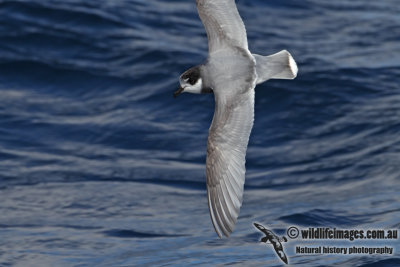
231, 72
274, 241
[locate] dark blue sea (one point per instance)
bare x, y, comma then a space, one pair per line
101, 166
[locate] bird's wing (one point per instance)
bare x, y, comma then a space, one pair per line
262, 229
223, 24
279, 251
226, 151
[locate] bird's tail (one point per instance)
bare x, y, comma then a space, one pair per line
277, 66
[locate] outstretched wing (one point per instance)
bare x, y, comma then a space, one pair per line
262, 228
279, 251
226, 151
223, 24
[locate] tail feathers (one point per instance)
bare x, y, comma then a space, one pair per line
277, 66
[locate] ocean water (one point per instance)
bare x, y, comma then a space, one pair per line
100, 166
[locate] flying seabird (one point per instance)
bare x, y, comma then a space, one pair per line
274, 240
231, 72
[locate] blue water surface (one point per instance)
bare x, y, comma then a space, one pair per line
100, 166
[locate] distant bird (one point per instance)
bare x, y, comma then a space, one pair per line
274, 240
231, 72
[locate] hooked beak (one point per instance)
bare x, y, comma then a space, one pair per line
179, 91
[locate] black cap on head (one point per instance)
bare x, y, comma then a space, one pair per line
191, 75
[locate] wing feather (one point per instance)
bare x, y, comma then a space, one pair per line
224, 211
226, 151
223, 24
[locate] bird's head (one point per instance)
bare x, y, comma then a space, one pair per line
190, 81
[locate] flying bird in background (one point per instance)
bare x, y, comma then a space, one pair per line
231, 72
274, 241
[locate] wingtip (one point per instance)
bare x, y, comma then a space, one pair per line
293, 66
293, 69
222, 225
258, 226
